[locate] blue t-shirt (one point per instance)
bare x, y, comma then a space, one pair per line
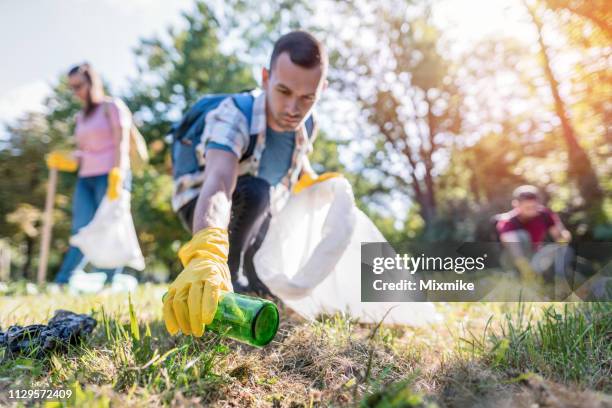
275, 158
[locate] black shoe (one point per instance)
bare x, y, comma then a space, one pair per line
240, 288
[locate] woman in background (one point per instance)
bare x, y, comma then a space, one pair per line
102, 137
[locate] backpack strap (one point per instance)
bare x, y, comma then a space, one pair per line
244, 101
310, 127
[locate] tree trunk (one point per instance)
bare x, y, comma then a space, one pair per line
580, 168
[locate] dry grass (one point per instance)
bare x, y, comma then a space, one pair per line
330, 362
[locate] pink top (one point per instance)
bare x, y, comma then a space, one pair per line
96, 144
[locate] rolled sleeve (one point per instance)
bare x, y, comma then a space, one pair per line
217, 146
226, 126
505, 225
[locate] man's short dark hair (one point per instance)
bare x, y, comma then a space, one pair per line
304, 50
526, 192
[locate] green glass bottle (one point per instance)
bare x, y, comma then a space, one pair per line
246, 319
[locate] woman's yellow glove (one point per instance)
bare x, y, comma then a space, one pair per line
114, 183
62, 160
307, 180
192, 299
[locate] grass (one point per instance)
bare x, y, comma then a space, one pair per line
573, 345
482, 354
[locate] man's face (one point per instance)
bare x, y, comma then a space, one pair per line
527, 209
291, 92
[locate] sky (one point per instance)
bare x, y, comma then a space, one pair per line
41, 39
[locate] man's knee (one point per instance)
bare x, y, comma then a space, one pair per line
252, 192
525, 240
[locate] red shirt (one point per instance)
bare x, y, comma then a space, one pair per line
537, 227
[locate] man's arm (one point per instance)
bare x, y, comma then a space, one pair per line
559, 233
193, 296
556, 229
213, 207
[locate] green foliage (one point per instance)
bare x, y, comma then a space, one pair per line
572, 346
159, 230
23, 176
406, 92
440, 137
173, 75
188, 365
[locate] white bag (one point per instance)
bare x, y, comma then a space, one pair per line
311, 258
109, 240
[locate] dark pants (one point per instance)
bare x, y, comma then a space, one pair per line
249, 220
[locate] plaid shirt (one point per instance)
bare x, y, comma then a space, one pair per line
227, 125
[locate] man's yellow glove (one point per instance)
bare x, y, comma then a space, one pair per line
307, 180
191, 302
62, 160
114, 183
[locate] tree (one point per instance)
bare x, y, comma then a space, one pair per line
580, 166
596, 11
23, 175
406, 92
175, 73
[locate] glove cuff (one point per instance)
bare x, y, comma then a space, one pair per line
328, 175
207, 243
305, 181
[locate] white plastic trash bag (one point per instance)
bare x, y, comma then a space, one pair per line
109, 240
311, 258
